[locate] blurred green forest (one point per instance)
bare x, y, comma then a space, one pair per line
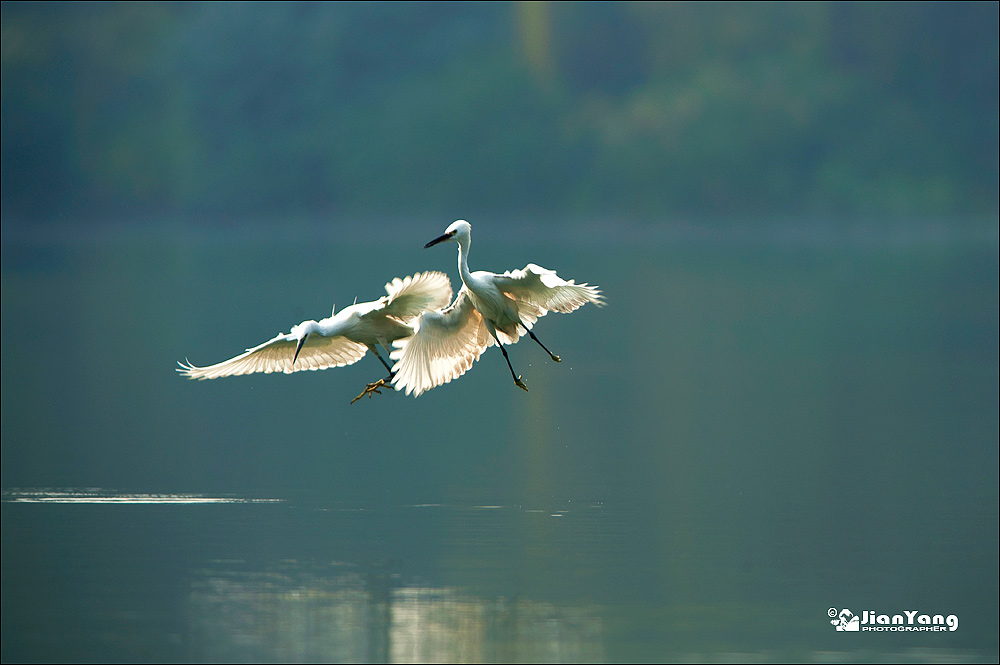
643, 110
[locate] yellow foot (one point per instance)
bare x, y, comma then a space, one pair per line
556, 358
520, 384
370, 389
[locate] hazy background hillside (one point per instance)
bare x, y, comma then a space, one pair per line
639, 110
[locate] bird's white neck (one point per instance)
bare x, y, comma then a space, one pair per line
463, 259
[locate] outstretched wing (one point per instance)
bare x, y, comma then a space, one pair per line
411, 296
444, 347
538, 291
276, 355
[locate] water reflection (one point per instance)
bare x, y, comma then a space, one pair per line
290, 580
301, 611
97, 495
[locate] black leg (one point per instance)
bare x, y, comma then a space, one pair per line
554, 357
374, 349
517, 379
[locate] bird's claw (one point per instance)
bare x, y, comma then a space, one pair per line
370, 389
556, 358
520, 384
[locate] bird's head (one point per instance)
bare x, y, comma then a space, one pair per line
300, 333
457, 231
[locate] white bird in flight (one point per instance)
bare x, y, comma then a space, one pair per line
343, 337
489, 309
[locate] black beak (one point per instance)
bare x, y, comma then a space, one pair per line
446, 236
299, 348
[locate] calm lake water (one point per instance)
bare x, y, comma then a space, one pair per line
762, 427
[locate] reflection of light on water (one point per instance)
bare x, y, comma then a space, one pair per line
445, 625
435, 625
296, 611
95, 495
287, 614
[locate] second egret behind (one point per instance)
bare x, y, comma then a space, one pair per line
490, 309
343, 337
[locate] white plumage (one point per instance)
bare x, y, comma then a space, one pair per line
343, 337
489, 309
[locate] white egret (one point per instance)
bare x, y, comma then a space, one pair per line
489, 309
343, 337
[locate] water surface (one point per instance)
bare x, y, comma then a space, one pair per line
758, 428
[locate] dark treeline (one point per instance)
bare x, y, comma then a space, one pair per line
644, 110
